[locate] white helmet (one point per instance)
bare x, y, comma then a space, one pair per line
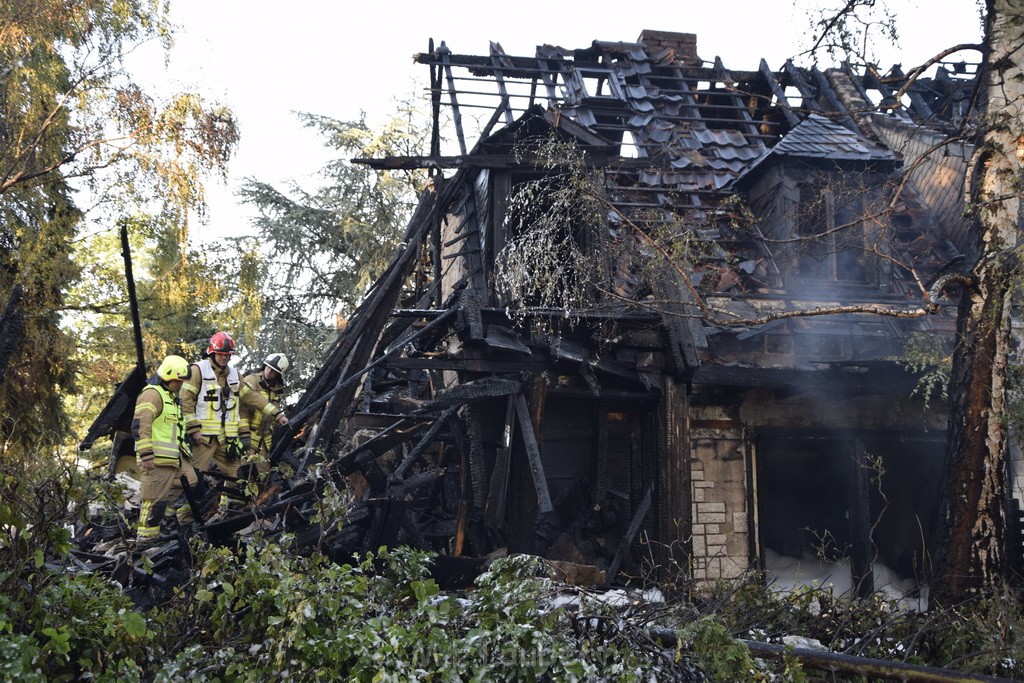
277, 361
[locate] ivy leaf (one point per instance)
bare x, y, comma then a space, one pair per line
134, 624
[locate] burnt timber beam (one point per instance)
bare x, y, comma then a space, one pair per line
917, 103
819, 380
456, 114
497, 57
861, 667
351, 349
749, 128
347, 385
808, 98
527, 67
499, 315
780, 94
481, 160
470, 365
536, 466
401, 431
825, 88
424, 443
631, 532
497, 495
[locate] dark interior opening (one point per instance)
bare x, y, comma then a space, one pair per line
809, 505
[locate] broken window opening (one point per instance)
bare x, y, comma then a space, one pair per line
551, 242
819, 492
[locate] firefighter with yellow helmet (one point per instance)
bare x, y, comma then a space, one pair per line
213, 398
161, 452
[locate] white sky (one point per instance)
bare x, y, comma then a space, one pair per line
269, 60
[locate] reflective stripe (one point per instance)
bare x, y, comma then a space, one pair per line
144, 530
257, 419
215, 414
167, 430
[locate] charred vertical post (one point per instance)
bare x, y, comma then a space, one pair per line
672, 483
133, 302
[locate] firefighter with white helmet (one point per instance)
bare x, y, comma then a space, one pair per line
213, 398
269, 382
161, 451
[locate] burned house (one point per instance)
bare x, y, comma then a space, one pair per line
738, 404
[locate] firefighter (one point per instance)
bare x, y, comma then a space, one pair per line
212, 398
269, 382
160, 448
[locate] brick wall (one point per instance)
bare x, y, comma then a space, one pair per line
684, 45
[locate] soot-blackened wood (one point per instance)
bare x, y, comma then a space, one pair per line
133, 302
388, 517
347, 385
631, 532
404, 429
474, 391
327, 374
421, 447
672, 483
600, 451
370, 325
532, 451
117, 414
497, 495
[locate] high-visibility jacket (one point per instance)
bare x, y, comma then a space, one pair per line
260, 428
158, 426
216, 406
212, 397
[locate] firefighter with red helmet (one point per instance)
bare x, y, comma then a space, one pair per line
161, 452
213, 398
269, 382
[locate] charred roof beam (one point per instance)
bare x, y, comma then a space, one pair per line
808, 96
780, 95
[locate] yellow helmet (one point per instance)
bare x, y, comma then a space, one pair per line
173, 367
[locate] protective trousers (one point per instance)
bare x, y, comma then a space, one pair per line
210, 449
161, 487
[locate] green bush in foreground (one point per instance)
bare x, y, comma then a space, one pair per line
261, 613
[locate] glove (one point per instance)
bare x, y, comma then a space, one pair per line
246, 442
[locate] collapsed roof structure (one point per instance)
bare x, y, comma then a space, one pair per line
696, 412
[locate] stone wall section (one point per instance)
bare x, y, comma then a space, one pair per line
718, 470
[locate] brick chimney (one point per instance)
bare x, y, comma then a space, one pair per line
684, 45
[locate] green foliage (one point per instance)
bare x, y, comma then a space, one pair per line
927, 355
56, 625
75, 124
716, 652
260, 612
319, 250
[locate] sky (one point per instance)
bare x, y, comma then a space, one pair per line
267, 61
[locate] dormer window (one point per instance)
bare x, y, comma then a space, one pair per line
829, 233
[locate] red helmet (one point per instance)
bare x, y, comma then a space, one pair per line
221, 343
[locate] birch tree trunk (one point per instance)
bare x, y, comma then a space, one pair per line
972, 553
